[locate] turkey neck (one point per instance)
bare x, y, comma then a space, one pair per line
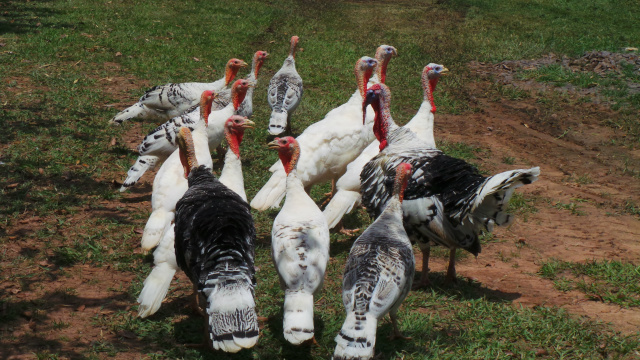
383, 122
429, 86
231, 174
237, 97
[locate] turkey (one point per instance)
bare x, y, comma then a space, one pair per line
348, 186
377, 277
161, 142
168, 186
285, 92
157, 283
215, 247
447, 201
164, 102
329, 145
246, 108
300, 248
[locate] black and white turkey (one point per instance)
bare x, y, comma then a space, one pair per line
285, 93
215, 247
447, 201
164, 102
377, 277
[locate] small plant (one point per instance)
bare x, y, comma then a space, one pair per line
521, 206
509, 160
57, 325
573, 207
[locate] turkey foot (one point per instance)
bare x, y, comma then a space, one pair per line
195, 302
349, 232
312, 342
424, 277
396, 332
450, 278
329, 195
340, 229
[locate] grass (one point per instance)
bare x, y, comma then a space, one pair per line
66, 66
607, 281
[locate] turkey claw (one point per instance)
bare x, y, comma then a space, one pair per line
349, 232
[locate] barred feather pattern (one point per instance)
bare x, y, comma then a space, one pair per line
377, 278
215, 246
159, 144
447, 201
164, 102
284, 95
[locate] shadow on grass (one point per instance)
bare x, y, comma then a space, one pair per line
35, 313
22, 19
465, 289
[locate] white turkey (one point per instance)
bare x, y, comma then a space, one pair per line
161, 142
285, 93
447, 201
215, 247
299, 247
157, 283
165, 193
164, 102
329, 145
377, 277
347, 194
246, 108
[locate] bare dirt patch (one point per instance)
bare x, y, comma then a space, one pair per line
582, 168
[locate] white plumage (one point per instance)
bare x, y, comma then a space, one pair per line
164, 257
300, 248
246, 108
347, 194
164, 102
330, 144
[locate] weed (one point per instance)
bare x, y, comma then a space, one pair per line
607, 281
509, 160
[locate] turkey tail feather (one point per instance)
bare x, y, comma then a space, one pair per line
298, 317
278, 122
142, 164
233, 323
272, 192
488, 204
155, 227
341, 203
357, 338
157, 283
132, 112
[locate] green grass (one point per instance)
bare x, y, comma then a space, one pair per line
63, 64
607, 281
521, 206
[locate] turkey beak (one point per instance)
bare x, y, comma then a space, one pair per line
253, 84
273, 145
444, 71
243, 64
248, 124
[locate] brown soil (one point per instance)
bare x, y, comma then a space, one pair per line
532, 133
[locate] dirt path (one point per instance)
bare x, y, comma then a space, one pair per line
602, 231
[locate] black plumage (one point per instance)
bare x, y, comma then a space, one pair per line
215, 239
